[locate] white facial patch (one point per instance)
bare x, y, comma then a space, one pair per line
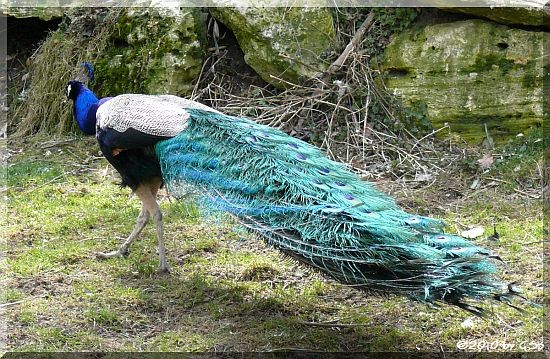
68, 90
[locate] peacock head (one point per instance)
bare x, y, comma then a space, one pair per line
74, 88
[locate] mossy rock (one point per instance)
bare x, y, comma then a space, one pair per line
41, 12
285, 43
154, 51
470, 74
528, 16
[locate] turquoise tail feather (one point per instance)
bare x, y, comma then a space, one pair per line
315, 210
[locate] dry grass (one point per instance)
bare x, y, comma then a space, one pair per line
349, 113
56, 60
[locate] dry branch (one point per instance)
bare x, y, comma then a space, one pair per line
336, 115
355, 41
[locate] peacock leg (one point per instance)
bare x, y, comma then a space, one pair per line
123, 251
149, 208
157, 218
147, 194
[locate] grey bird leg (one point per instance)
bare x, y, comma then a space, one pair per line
148, 194
157, 218
150, 208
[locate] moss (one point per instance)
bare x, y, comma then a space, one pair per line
287, 43
531, 16
469, 73
532, 78
43, 12
490, 63
160, 53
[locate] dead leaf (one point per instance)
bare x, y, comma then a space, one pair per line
423, 177
486, 161
473, 233
468, 323
521, 61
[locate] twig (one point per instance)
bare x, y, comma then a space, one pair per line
335, 325
212, 49
534, 196
57, 143
428, 135
45, 183
535, 242
336, 65
291, 349
498, 180
3, 305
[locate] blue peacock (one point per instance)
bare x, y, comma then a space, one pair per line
287, 192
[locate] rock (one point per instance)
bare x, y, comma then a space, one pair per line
529, 13
470, 74
509, 15
154, 51
55, 9
43, 13
287, 43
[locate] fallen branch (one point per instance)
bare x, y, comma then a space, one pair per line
356, 40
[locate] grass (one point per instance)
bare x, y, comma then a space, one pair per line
227, 291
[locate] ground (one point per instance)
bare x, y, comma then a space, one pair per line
227, 290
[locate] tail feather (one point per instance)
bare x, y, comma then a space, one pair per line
316, 211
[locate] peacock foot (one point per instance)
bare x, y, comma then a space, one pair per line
164, 269
117, 253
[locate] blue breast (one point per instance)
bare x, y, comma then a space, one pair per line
85, 109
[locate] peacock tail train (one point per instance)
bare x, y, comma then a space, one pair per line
318, 212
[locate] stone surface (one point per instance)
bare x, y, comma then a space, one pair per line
154, 51
509, 12
529, 16
470, 74
286, 43
43, 13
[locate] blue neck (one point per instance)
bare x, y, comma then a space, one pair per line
84, 111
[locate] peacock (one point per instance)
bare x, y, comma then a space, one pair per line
286, 191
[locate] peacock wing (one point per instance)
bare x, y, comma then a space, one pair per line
135, 121
148, 114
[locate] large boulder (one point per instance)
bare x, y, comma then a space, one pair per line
470, 74
154, 51
509, 12
281, 43
529, 16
